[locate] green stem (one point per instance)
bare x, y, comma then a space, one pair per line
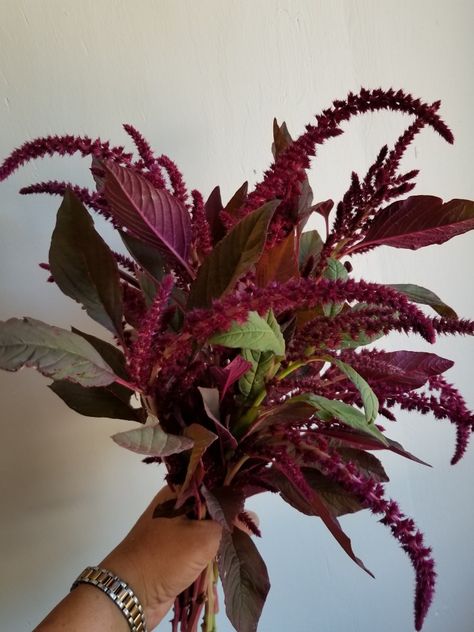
209, 623
230, 475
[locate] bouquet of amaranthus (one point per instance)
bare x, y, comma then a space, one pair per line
244, 337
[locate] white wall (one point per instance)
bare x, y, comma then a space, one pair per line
202, 80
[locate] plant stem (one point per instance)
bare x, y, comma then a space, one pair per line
209, 623
235, 469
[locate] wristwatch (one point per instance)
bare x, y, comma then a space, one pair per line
120, 593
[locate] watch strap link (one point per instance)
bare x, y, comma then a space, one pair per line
120, 593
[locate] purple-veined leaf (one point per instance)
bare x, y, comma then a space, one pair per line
54, 352
202, 438
406, 368
152, 440
244, 579
418, 221
210, 399
83, 266
224, 504
421, 295
234, 255
151, 215
97, 401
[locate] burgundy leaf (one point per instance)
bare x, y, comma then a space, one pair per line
367, 464
228, 375
244, 580
411, 368
210, 399
279, 263
152, 215
351, 439
97, 401
224, 504
83, 266
418, 221
202, 438
317, 507
232, 257
323, 208
212, 209
237, 201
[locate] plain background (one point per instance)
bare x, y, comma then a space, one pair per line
203, 80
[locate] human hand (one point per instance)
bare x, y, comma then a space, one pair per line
161, 557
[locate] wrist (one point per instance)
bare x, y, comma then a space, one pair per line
130, 571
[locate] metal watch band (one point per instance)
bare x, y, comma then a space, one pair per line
120, 593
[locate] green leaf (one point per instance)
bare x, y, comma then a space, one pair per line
347, 342
253, 381
244, 580
83, 266
255, 333
334, 271
54, 352
264, 364
328, 409
369, 399
421, 295
97, 401
234, 255
152, 440
111, 354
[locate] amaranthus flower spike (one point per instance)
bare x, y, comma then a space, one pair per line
241, 339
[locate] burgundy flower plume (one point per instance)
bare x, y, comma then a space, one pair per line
243, 341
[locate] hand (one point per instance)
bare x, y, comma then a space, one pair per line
161, 557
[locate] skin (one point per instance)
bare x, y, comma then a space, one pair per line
159, 559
